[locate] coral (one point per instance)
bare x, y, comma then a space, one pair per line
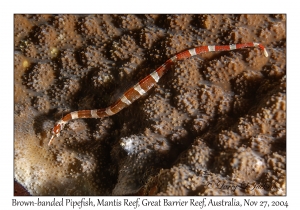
128, 22
223, 69
246, 165
65, 91
41, 104
103, 77
198, 157
40, 77
22, 27
92, 56
165, 119
125, 48
45, 35
149, 35
68, 61
142, 155
213, 122
180, 22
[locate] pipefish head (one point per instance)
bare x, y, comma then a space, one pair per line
56, 130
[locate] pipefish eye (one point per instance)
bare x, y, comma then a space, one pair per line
56, 128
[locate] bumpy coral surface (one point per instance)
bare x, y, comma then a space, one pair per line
215, 124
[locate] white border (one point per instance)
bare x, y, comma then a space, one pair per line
8, 8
